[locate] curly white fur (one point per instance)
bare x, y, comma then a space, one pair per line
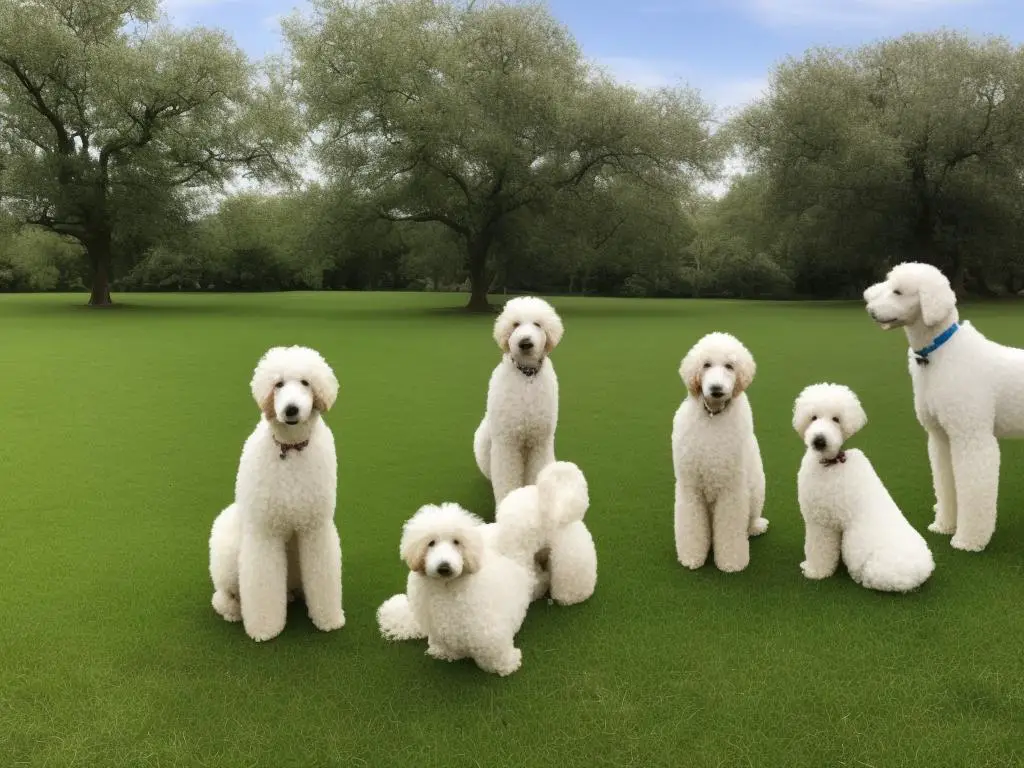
516, 438
969, 394
279, 534
847, 510
470, 582
720, 485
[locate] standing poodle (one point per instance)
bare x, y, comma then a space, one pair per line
516, 438
719, 475
847, 510
968, 392
279, 534
470, 582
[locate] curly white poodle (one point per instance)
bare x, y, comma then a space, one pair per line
279, 534
847, 510
516, 438
720, 484
470, 582
968, 393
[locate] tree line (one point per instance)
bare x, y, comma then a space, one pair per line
471, 146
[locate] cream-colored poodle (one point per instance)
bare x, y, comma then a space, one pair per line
516, 438
720, 484
279, 534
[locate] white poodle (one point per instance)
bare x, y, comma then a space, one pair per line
847, 510
968, 392
470, 582
279, 534
719, 475
516, 438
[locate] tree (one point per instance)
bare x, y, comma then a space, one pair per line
911, 148
103, 108
465, 115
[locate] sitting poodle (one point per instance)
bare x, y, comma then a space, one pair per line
470, 583
968, 392
279, 534
719, 476
846, 509
516, 438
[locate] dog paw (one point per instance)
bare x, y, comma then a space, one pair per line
261, 635
758, 526
968, 546
731, 567
813, 573
227, 606
942, 528
440, 653
512, 663
329, 624
693, 563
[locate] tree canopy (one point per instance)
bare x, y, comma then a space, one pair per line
109, 115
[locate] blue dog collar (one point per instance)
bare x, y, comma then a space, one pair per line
922, 354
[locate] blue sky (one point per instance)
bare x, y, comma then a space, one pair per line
723, 47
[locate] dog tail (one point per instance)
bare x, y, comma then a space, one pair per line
562, 494
396, 620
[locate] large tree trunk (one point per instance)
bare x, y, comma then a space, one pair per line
99, 254
476, 252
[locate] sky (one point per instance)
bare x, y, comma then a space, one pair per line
724, 48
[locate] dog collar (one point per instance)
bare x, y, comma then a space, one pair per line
285, 447
839, 459
921, 355
526, 370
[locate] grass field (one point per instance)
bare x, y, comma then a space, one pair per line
121, 435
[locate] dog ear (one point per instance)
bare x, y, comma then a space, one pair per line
471, 545
854, 416
936, 298
690, 372
267, 406
325, 389
416, 539
746, 368
801, 414
414, 553
553, 329
503, 328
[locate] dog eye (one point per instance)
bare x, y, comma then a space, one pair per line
515, 325
305, 383
728, 366
706, 366
835, 419
432, 543
279, 385
537, 324
897, 292
814, 418
456, 542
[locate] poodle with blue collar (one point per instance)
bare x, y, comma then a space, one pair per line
847, 511
968, 393
720, 485
279, 536
516, 438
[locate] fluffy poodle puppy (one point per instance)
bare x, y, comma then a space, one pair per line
279, 533
847, 510
470, 582
719, 475
968, 392
516, 438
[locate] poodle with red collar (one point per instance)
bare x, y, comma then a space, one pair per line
847, 511
279, 535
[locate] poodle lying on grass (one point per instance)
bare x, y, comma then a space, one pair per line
847, 510
516, 438
470, 582
719, 476
279, 534
968, 392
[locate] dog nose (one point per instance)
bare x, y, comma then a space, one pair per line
444, 569
819, 443
525, 344
291, 411
717, 391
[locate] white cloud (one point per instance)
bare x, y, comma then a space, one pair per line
839, 13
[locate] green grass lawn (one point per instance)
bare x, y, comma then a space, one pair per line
120, 439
